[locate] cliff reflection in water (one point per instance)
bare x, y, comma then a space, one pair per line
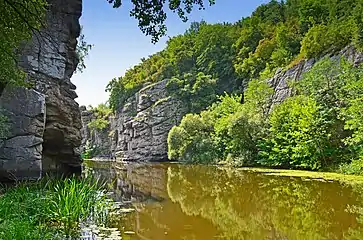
204, 202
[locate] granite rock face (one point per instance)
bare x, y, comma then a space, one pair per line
45, 120
138, 131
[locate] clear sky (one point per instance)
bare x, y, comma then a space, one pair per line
119, 44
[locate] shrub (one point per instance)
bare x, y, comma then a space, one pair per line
191, 141
296, 137
355, 167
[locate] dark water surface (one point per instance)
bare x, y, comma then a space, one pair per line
188, 202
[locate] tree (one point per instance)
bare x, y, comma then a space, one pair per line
151, 14
297, 139
19, 20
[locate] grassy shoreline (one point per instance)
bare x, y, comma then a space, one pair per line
50, 209
309, 175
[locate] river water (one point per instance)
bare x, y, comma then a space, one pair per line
193, 202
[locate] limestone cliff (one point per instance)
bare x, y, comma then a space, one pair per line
139, 131
45, 120
280, 81
97, 140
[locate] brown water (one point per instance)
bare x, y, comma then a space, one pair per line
204, 202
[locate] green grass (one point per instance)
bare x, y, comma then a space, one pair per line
50, 209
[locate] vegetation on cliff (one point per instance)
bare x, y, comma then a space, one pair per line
277, 34
101, 115
319, 127
18, 21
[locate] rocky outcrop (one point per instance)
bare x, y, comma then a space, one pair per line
281, 79
138, 131
95, 140
45, 120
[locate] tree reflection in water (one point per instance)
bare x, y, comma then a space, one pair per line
204, 202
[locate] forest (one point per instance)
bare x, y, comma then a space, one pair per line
220, 72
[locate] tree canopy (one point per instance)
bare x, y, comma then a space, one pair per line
276, 35
151, 14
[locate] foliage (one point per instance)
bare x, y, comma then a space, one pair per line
191, 141
228, 129
204, 53
101, 114
151, 14
322, 39
337, 87
18, 21
355, 167
196, 91
75, 200
319, 127
90, 151
49, 209
296, 137
276, 34
82, 51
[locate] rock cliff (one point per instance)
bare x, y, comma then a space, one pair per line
45, 120
139, 131
93, 139
280, 81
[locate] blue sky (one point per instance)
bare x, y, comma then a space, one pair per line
119, 44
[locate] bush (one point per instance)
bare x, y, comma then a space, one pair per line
296, 139
191, 141
337, 86
355, 167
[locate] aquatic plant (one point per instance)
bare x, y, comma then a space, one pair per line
50, 209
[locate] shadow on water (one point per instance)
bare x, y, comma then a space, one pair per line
175, 201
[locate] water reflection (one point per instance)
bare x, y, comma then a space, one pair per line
203, 202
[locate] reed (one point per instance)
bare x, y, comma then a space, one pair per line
50, 209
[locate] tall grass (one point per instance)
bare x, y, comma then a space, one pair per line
50, 209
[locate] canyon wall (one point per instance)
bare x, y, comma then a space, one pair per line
281, 79
139, 131
45, 120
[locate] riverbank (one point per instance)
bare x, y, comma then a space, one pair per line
340, 177
308, 175
51, 209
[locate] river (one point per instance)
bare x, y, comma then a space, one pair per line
195, 202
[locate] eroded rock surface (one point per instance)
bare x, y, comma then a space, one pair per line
98, 140
281, 79
139, 131
45, 121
